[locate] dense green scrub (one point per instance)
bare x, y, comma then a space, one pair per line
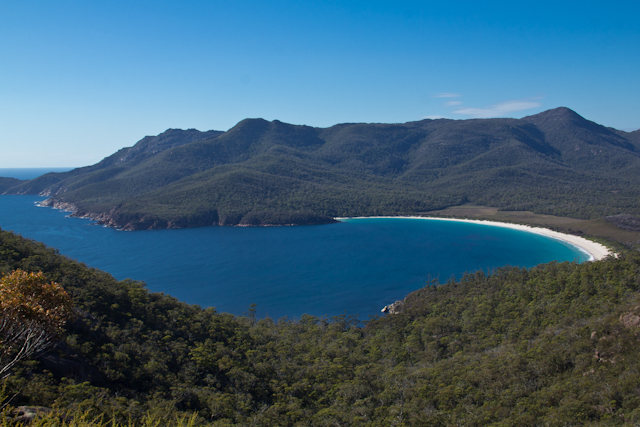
554, 345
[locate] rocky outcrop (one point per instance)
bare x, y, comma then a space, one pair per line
395, 308
27, 414
57, 204
631, 319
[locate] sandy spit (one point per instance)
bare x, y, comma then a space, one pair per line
596, 251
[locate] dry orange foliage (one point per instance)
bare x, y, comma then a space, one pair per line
32, 314
29, 296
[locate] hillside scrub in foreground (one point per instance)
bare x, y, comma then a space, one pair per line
553, 345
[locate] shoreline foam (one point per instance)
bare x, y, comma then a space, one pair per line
596, 251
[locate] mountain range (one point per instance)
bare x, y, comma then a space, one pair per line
274, 173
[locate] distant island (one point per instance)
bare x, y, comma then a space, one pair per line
273, 173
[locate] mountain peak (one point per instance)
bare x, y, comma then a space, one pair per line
555, 114
251, 122
562, 117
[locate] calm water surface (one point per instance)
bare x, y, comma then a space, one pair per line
354, 267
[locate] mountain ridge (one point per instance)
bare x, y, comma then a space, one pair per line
263, 172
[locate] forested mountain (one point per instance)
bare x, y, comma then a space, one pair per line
555, 345
262, 172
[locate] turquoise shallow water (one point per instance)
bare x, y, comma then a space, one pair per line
354, 267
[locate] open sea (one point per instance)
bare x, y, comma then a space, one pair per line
28, 173
353, 267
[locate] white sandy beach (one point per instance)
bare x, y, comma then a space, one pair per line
596, 251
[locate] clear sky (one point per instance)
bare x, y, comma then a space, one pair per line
81, 79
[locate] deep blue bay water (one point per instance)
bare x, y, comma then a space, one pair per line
353, 267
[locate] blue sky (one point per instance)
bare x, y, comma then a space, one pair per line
82, 79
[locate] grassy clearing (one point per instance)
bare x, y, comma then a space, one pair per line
596, 228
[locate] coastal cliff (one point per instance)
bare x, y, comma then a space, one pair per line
135, 221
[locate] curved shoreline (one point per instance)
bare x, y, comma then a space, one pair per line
596, 251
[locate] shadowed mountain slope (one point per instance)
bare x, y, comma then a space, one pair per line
7, 183
262, 172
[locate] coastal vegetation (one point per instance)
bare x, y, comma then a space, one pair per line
261, 172
553, 345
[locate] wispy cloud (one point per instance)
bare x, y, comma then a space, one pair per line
452, 103
499, 110
447, 95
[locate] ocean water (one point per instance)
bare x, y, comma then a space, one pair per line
354, 267
28, 173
